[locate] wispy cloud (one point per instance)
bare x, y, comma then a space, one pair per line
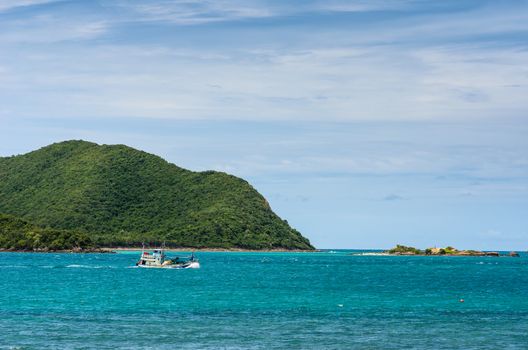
384, 70
393, 197
415, 79
7, 5
361, 5
46, 29
190, 12
319, 84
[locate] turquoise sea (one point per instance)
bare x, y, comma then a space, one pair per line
326, 300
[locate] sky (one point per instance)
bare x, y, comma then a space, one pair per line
366, 123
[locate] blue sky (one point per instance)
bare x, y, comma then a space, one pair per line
365, 123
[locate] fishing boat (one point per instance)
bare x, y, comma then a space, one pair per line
157, 259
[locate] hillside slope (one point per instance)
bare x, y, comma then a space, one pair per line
122, 196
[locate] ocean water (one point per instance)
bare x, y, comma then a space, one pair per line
327, 300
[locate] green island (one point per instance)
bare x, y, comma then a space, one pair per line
447, 251
78, 195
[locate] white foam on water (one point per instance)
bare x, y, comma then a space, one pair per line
76, 266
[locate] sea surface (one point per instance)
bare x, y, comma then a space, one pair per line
325, 300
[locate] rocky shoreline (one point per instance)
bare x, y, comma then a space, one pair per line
110, 250
74, 250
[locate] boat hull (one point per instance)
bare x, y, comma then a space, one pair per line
191, 265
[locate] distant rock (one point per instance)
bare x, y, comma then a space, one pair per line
471, 253
514, 254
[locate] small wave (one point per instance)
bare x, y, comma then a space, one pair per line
71, 266
369, 254
76, 266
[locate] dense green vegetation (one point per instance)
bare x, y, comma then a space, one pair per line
123, 197
17, 234
404, 250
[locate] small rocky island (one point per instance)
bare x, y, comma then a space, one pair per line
450, 251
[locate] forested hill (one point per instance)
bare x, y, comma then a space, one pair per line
120, 196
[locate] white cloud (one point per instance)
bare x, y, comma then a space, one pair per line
338, 75
340, 84
7, 5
